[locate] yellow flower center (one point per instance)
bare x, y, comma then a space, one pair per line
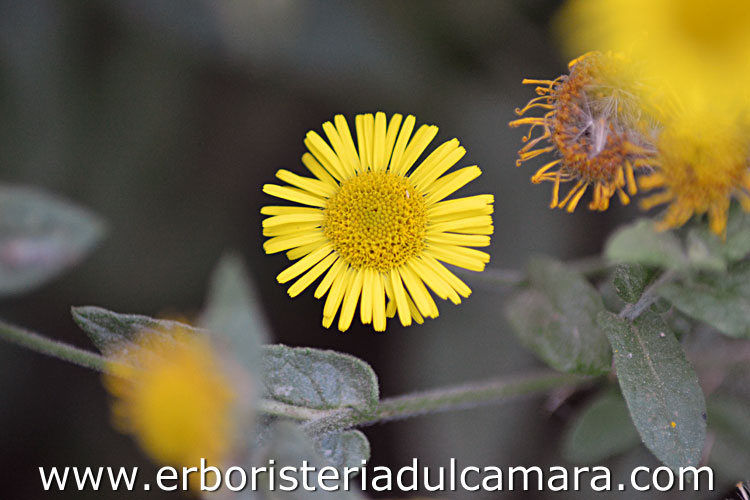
376, 220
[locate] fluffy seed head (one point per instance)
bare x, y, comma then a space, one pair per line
594, 126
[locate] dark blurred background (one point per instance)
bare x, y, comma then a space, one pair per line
166, 118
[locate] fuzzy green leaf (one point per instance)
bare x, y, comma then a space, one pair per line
661, 389
722, 301
631, 280
40, 236
556, 319
602, 430
343, 449
318, 379
233, 313
289, 446
704, 253
736, 246
641, 243
111, 331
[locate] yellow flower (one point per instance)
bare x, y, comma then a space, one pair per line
374, 226
592, 123
170, 393
699, 48
702, 164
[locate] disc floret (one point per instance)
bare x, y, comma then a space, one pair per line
376, 220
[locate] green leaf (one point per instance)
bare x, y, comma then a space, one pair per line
704, 253
111, 331
722, 301
641, 243
289, 446
343, 449
737, 244
318, 379
233, 313
660, 387
728, 419
602, 430
556, 319
40, 236
631, 280
702, 249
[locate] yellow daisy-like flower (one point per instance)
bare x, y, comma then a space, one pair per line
376, 227
699, 48
170, 393
592, 123
702, 164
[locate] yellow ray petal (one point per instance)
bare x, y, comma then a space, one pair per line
308, 278
304, 263
401, 142
399, 295
353, 293
294, 194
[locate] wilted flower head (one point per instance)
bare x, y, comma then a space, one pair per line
702, 164
594, 126
373, 227
172, 394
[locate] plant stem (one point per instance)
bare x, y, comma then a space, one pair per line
445, 399
59, 350
321, 421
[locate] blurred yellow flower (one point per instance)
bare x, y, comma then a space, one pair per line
171, 394
379, 228
700, 49
593, 124
703, 163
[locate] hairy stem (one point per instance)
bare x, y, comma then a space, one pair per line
409, 405
59, 350
445, 399
400, 407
